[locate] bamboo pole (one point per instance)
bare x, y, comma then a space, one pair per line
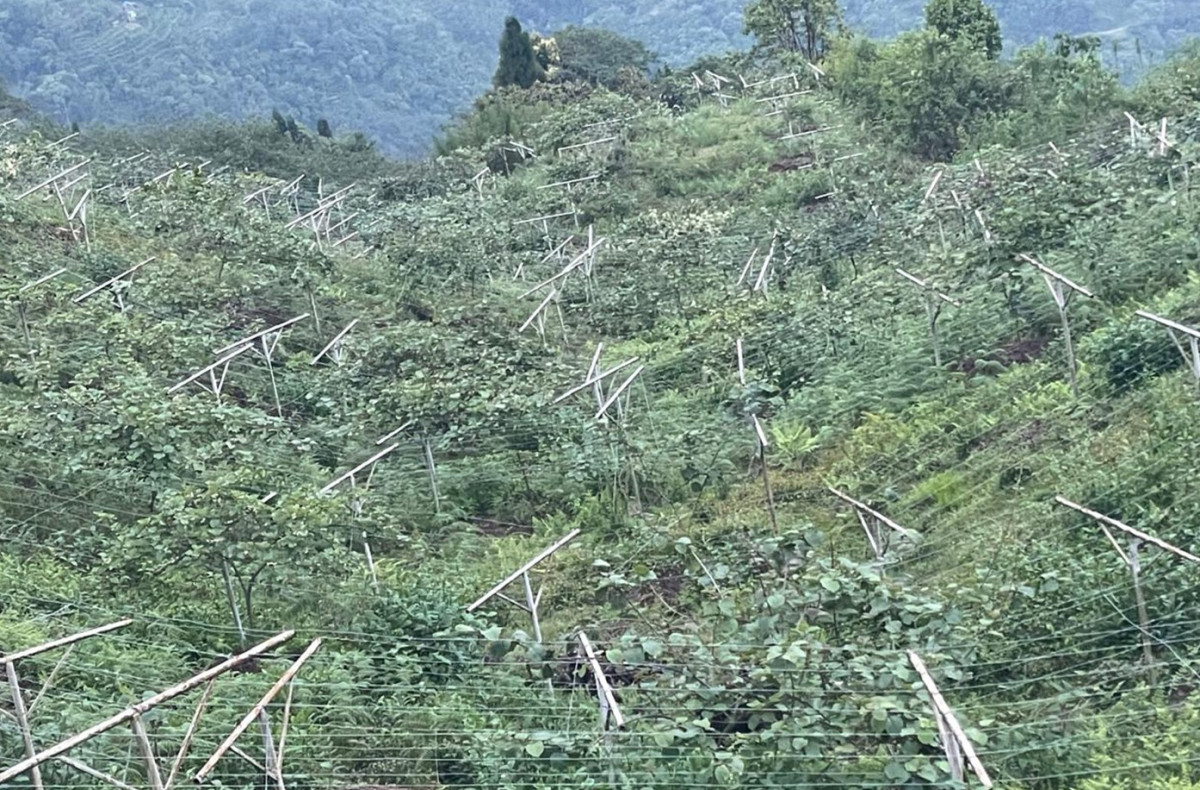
90, 771
187, 736
66, 640
22, 717
939, 703
147, 752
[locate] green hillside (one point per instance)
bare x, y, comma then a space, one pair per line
255, 383
399, 71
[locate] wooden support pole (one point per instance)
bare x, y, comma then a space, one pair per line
263, 335
1137, 533
249, 718
593, 379
22, 716
188, 735
878, 545
761, 435
349, 475
431, 468
58, 665
1133, 560
605, 689
92, 772
147, 752
52, 179
531, 604
940, 706
135, 710
12, 658
335, 343
602, 411
1059, 286
1191, 355
111, 282
933, 309
217, 384
283, 733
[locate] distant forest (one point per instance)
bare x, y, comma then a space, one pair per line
399, 71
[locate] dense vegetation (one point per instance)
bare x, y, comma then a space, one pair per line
398, 71
754, 637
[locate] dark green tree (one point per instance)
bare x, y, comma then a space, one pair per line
281, 124
518, 64
323, 128
600, 55
971, 21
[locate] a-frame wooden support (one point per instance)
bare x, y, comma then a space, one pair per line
522, 573
1061, 289
873, 523
1131, 558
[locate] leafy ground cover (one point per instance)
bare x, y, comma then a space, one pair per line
754, 638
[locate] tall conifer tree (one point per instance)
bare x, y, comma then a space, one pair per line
518, 64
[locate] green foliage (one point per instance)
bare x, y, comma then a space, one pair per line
803, 26
1129, 754
749, 644
518, 66
930, 91
600, 55
969, 21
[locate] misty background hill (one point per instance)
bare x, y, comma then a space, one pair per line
399, 71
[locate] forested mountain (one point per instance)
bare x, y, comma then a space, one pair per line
399, 70
834, 417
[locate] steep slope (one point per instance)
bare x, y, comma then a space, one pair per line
745, 253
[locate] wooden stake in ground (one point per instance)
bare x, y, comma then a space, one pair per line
761, 437
1061, 289
610, 712
934, 300
531, 600
1132, 560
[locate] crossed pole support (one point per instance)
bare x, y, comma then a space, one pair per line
1061, 289
133, 714
531, 600
873, 523
1131, 558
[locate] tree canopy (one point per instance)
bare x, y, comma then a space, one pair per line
970, 21
803, 26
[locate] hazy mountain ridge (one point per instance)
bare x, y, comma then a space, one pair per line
399, 71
